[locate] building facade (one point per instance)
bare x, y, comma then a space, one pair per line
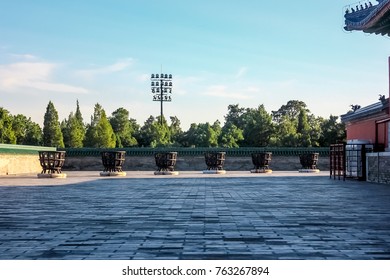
369, 126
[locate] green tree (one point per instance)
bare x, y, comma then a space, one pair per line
291, 110
333, 131
235, 116
91, 133
52, 135
123, 128
136, 130
106, 136
99, 132
78, 129
33, 134
19, 126
258, 127
230, 136
315, 132
26, 131
78, 115
144, 136
190, 137
201, 135
175, 131
73, 132
217, 129
286, 133
212, 133
7, 135
161, 133
303, 130
295, 126
153, 134
73, 129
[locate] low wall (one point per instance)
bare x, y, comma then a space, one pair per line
188, 163
378, 167
14, 164
20, 159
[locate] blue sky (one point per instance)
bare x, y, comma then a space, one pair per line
249, 52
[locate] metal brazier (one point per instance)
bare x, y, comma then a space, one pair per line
309, 161
215, 160
166, 161
261, 160
113, 160
51, 161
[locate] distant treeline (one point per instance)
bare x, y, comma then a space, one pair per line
291, 126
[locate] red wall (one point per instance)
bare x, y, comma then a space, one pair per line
382, 134
365, 130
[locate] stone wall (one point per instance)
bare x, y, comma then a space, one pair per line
20, 159
187, 163
378, 167
15, 164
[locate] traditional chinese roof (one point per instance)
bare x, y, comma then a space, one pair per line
368, 17
366, 112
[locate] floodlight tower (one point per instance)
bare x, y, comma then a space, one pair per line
162, 90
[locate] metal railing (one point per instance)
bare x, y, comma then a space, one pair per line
231, 152
337, 161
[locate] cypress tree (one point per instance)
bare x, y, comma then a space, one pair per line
104, 132
99, 132
52, 134
73, 129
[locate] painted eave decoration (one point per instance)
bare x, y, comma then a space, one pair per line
368, 17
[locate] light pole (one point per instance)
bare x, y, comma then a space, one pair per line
161, 89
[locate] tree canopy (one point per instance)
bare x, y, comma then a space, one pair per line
99, 132
7, 134
123, 128
52, 134
73, 129
292, 125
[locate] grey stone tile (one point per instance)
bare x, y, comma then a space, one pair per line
197, 218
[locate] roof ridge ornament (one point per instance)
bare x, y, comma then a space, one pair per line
367, 17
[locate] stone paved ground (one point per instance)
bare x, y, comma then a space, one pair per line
275, 216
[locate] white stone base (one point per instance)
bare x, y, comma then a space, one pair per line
214, 171
51, 175
309, 170
261, 171
113, 174
166, 173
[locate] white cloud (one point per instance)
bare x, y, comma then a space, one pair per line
34, 75
252, 89
24, 56
222, 91
143, 77
112, 68
57, 87
241, 72
182, 85
118, 66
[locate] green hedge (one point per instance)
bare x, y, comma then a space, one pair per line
233, 152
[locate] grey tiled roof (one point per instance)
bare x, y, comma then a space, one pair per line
365, 111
